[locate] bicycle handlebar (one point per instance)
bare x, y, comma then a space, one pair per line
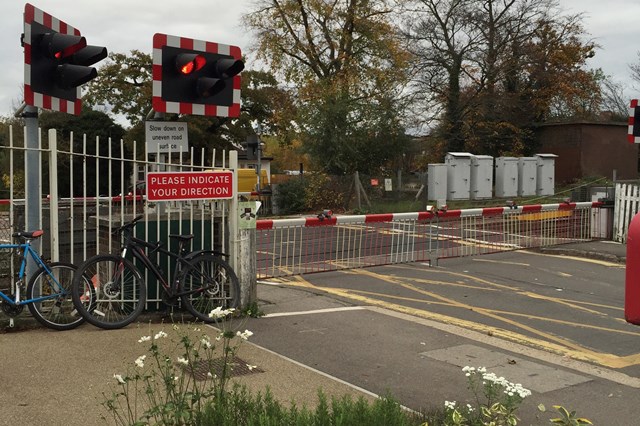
128, 226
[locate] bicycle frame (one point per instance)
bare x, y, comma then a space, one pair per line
137, 245
27, 252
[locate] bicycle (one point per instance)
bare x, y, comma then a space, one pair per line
48, 294
116, 293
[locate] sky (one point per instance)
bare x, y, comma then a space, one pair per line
124, 25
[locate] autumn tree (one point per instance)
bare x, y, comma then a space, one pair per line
346, 68
497, 67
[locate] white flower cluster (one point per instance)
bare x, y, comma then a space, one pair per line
471, 370
206, 343
510, 389
450, 405
219, 313
245, 334
140, 361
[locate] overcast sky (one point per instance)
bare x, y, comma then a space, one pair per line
123, 25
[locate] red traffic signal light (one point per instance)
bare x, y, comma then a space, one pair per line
57, 62
187, 63
196, 77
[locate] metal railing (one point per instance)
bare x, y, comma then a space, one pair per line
102, 183
306, 245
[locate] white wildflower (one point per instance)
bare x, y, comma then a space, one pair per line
159, 335
218, 312
119, 378
245, 334
140, 361
450, 405
182, 360
144, 339
206, 342
251, 367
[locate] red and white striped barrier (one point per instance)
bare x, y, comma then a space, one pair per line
425, 215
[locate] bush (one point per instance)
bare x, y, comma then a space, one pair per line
291, 196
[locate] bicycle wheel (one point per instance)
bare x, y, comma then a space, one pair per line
113, 295
209, 282
57, 311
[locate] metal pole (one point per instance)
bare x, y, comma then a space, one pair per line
54, 229
33, 198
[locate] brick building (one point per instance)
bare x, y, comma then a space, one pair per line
587, 149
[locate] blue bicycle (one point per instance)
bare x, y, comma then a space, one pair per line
48, 293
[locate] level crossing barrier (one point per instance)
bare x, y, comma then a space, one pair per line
317, 244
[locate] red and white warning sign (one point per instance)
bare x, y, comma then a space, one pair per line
181, 186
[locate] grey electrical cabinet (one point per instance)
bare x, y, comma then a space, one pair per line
437, 182
458, 175
506, 177
527, 175
481, 177
546, 174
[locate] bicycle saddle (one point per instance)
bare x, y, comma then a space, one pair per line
28, 234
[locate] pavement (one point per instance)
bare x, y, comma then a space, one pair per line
306, 341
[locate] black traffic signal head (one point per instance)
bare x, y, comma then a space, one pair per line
57, 62
196, 77
633, 135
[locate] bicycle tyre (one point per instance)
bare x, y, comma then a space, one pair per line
211, 283
105, 302
56, 313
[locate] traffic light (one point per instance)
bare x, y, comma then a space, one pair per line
57, 62
196, 77
252, 145
633, 135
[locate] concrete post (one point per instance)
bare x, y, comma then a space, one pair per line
246, 269
632, 278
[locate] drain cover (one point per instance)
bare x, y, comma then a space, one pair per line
236, 367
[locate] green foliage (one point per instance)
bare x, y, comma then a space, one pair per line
566, 418
321, 193
496, 402
161, 389
291, 196
253, 310
348, 67
164, 386
71, 130
124, 85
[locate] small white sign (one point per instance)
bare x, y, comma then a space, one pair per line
166, 136
387, 185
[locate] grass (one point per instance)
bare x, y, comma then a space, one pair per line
240, 407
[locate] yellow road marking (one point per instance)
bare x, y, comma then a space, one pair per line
546, 341
495, 311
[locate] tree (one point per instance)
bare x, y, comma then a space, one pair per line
346, 64
495, 68
96, 134
124, 85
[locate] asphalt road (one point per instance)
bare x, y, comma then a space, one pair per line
568, 306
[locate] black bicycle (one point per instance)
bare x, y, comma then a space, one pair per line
116, 293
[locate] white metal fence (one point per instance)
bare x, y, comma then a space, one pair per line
307, 245
627, 205
88, 188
